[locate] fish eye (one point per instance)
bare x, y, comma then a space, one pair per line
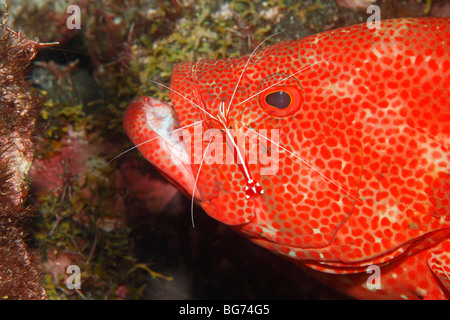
278, 99
281, 101
280, 95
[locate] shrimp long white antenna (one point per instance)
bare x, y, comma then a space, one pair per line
245, 68
150, 140
305, 163
195, 183
290, 76
185, 98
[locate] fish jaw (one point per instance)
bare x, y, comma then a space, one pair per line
153, 127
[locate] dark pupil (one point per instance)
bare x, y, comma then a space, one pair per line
279, 99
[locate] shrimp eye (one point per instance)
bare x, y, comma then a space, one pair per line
281, 101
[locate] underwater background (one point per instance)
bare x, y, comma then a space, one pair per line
121, 222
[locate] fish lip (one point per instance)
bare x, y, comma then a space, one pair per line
156, 110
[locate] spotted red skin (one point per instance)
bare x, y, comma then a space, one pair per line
375, 120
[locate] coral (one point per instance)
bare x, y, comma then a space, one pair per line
19, 110
355, 4
42, 19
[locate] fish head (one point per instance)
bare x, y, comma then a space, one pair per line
256, 151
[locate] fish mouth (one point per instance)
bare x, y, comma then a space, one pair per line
155, 130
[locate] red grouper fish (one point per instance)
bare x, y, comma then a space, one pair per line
331, 151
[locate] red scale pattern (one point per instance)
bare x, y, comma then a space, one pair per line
369, 182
